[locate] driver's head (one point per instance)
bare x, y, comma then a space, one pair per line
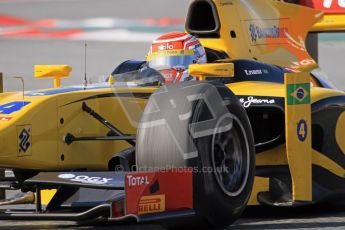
172, 53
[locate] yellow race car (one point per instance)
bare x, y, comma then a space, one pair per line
262, 126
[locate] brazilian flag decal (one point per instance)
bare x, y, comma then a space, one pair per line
298, 94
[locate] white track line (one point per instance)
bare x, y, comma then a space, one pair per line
34, 1
115, 36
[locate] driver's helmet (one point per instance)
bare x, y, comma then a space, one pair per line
172, 53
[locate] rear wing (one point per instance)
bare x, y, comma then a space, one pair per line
334, 15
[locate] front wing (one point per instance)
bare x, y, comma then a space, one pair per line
114, 196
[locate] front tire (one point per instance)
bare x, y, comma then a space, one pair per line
201, 125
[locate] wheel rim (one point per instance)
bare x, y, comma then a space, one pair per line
230, 158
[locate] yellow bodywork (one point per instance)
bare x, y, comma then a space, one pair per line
334, 22
53, 71
291, 22
42, 120
47, 119
298, 134
298, 156
211, 70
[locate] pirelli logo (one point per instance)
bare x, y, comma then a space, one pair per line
151, 204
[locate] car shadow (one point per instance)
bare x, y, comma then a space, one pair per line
326, 215
330, 216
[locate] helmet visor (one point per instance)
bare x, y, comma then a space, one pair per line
181, 59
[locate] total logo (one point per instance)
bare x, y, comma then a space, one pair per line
328, 3
85, 179
166, 46
137, 180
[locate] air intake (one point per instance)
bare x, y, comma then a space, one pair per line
202, 19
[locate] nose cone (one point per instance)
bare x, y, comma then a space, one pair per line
1, 143
8, 142
12, 110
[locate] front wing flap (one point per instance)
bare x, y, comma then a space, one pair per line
148, 196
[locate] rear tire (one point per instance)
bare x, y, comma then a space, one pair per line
201, 125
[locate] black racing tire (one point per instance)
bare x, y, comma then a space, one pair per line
201, 125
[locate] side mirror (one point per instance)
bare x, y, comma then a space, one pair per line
52, 71
211, 70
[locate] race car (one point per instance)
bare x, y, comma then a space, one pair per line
262, 126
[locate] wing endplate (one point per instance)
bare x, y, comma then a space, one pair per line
330, 23
334, 14
298, 134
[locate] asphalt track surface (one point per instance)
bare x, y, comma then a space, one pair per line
17, 57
